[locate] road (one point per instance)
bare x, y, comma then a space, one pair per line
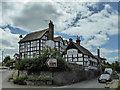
93, 83
6, 74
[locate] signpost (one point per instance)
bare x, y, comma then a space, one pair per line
52, 62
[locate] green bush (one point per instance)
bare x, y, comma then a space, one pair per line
7, 64
32, 64
37, 64
16, 81
20, 80
32, 78
62, 64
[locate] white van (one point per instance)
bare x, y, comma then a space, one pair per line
108, 70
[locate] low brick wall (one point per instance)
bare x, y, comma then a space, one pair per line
77, 74
64, 78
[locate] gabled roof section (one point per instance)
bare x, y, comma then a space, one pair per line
81, 49
34, 36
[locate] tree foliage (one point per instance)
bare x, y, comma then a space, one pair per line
37, 64
6, 59
51, 52
115, 66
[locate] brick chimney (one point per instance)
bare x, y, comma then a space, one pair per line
51, 31
78, 40
98, 52
70, 40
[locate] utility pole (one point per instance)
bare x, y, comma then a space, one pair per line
2, 57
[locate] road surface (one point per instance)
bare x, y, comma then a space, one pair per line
93, 83
6, 74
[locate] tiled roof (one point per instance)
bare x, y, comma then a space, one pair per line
34, 35
80, 48
83, 50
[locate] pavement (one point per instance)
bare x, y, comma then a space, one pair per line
114, 83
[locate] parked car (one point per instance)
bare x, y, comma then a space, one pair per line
3, 67
104, 78
108, 70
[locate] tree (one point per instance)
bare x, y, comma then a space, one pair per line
6, 59
37, 64
51, 52
117, 66
7, 64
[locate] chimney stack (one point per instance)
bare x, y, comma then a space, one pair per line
70, 40
98, 52
51, 31
78, 40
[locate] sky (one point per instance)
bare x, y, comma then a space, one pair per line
95, 22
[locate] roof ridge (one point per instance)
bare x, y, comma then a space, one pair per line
38, 31
82, 47
34, 35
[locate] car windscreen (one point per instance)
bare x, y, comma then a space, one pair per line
105, 76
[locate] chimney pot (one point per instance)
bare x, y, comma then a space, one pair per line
78, 40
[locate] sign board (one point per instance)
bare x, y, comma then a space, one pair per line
52, 62
72, 52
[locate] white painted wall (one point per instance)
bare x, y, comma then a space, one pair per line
72, 52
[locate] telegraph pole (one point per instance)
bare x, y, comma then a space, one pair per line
2, 57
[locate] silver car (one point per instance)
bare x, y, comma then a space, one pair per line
104, 78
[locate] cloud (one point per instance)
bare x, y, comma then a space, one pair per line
95, 27
105, 52
30, 16
9, 42
112, 59
110, 54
